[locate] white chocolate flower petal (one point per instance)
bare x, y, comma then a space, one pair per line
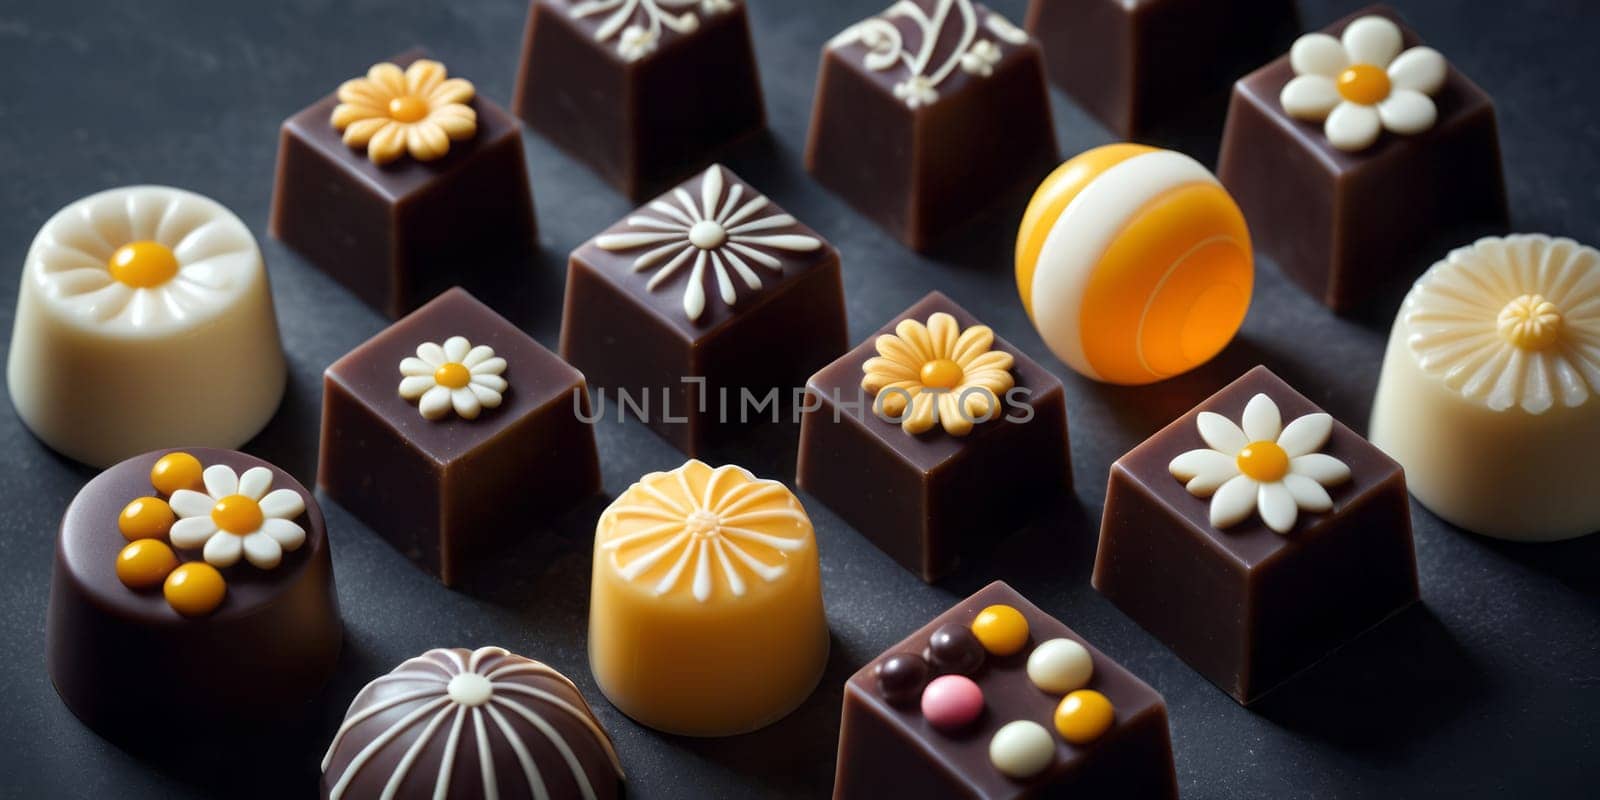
1278, 509
1310, 97
1352, 127
431, 354
288, 535
261, 550
1306, 434
491, 366
1234, 502
1221, 434
1407, 111
1320, 467
192, 532
1372, 40
1318, 54
220, 481
1420, 69
456, 348
255, 482
1262, 422
466, 403
283, 504
189, 503
413, 386
411, 366
487, 397
492, 382
1204, 470
1307, 493
477, 356
223, 550
435, 403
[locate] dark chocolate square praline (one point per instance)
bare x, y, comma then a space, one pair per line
1245, 606
928, 499
888, 750
1350, 228
450, 491
691, 373
396, 235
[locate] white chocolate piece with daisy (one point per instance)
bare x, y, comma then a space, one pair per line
1361, 84
144, 319
1490, 389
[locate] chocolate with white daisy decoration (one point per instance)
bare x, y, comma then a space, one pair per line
1359, 155
452, 432
144, 318
480, 724
1490, 391
192, 596
404, 182
1255, 534
700, 306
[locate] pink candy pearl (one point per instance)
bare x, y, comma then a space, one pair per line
951, 701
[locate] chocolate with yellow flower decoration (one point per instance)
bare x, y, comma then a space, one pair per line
390, 112
933, 374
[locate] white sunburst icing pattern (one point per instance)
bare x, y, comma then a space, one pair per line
479, 695
636, 37
886, 45
699, 528
727, 230
1511, 322
210, 259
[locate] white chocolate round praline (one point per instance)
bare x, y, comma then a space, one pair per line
1059, 666
1022, 749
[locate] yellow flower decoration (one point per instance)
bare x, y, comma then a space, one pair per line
390, 112
944, 374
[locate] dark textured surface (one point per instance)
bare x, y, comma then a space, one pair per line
1490, 687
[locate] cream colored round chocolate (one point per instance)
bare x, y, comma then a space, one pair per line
1490, 390
1022, 749
144, 319
1059, 666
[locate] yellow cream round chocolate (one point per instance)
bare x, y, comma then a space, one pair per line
1134, 263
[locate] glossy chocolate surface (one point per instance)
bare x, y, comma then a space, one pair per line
921, 172
891, 750
130, 666
423, 731
1245, 606
448, 491
1349, 226
927, 499
1144, 65
398, 234
641, 124
625, 336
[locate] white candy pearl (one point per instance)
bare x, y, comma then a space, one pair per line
1060, 666
1022, 749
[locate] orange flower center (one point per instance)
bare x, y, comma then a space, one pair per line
407, 108
143, 265
1364, 84
452, 376
237, 514
1264, 461
941, 373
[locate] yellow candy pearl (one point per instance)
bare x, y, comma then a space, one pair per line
1084, 716
452, 376
1364, 84
941, 373
407, 109
1001, 630
145, 518
1263, 461
238, 514
143, 265
176, 471
145, 563
195, 589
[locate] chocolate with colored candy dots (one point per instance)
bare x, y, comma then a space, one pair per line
1144, 65
1089, 728
928, 456
1256, 534
451, 433
404, 183
705, 612
929, 113
1358, 158
471, 723
192, 596
706, 308
642, 91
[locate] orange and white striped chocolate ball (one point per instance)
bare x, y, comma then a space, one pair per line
1134, 263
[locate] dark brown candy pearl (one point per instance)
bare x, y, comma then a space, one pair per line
953, 649
901, 678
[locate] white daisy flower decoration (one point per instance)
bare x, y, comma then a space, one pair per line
238, 515
1361, 84
454, 375
980, 60
1264, 467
